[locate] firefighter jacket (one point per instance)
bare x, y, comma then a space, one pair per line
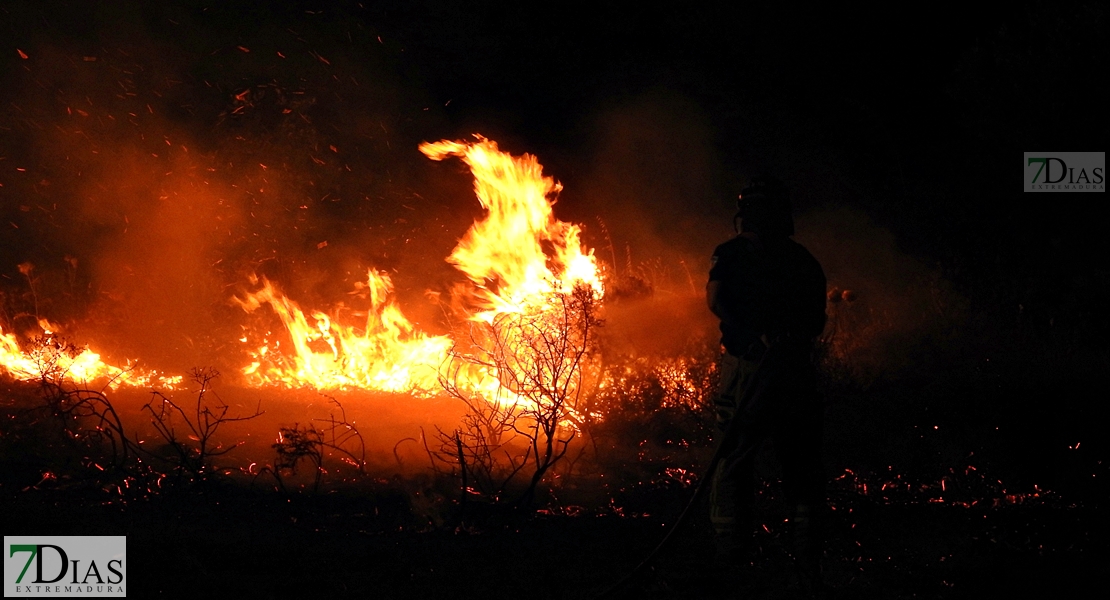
768, 289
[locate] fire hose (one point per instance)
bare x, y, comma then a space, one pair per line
736, 445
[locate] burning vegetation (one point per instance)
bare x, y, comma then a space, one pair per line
510, 275
521, 355
51, 357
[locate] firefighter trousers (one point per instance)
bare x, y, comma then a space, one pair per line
789, 416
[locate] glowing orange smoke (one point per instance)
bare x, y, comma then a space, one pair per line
517, 258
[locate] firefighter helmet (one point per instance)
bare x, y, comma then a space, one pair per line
764, 208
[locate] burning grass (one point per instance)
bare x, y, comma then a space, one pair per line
519, 358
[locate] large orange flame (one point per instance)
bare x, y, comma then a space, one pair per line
387, 354
517, 259
503, 254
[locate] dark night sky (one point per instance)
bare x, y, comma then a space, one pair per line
651, 117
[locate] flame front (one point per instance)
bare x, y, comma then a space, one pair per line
51, 358
518, 259
387, 354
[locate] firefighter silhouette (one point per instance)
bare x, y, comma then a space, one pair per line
769, 293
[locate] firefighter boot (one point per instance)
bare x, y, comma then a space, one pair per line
736, 546
808, 548
730, 511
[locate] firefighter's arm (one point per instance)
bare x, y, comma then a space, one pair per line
714, 290
713, 300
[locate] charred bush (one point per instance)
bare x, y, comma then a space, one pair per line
543, 357
188, 431
71, 421
312, 442
656, 399
296, 444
